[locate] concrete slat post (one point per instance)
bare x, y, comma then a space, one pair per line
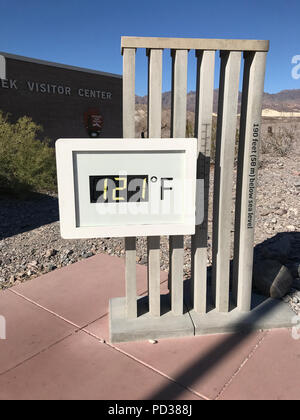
176, 262
225, 146
154, 131
179, 93
153, 251
253, 87
154, 92
178, 129
130, 277
203, 129
129, 132
128, 92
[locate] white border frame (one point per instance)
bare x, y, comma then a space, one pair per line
65, 179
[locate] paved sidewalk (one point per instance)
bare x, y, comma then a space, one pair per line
57, 347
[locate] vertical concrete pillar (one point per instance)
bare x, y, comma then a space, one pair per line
154, 131
153, 251
130, 277
203, 126
226, 134
176, 264
154, 92
178, 129
128, 92
129, 132
179, 93
248, 159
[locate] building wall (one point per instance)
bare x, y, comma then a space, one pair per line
58, 98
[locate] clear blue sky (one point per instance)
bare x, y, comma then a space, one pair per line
87, 33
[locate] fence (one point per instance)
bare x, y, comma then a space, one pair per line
254, 55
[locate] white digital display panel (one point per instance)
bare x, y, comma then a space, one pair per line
126, 187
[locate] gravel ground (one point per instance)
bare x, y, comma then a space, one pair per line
30, 242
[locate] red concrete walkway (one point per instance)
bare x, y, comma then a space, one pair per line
57, 348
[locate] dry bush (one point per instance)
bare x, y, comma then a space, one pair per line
280, 143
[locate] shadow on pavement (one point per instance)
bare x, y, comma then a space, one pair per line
17, 216
206, 362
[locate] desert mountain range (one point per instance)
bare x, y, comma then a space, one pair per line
284, 101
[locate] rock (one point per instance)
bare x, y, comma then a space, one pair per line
153, 341
281, 212
50, 253
143, 260
271, 278
50, 267
33, 266
63, 258
290, 228
282, 283
295, 270
265, 212
87, 254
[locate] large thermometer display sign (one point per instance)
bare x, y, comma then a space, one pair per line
126, 187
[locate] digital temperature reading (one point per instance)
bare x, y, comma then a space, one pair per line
119, 188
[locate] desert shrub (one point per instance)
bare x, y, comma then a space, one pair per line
275, 144
26, 163
189, 129
279, 143
213, 141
